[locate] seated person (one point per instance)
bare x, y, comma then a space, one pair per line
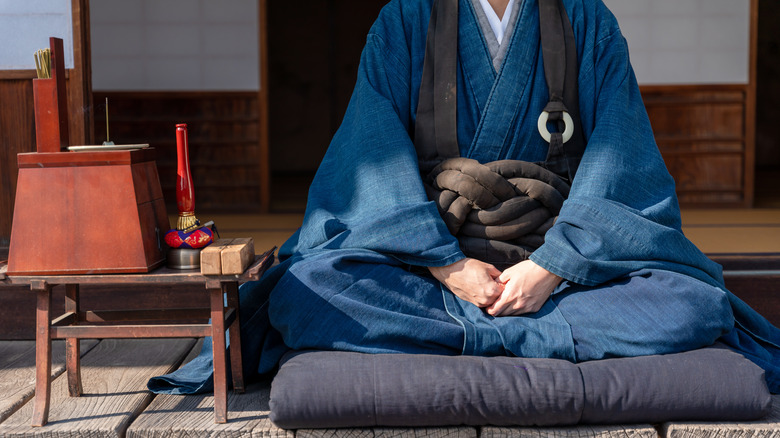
375, 269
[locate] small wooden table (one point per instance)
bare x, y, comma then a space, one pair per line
77, 324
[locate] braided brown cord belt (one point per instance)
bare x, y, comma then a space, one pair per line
499, 211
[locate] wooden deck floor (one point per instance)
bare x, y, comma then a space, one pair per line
116, 403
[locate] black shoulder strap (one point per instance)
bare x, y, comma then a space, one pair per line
435, 132
559, 54
436, 125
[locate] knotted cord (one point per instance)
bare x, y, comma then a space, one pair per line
499, 211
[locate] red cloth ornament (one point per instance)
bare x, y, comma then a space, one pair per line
195, 239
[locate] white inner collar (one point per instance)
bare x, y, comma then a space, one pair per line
498, 25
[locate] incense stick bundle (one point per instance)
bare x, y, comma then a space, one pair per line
43, 63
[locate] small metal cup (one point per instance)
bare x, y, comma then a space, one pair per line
183, 258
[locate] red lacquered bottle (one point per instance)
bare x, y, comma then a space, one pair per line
185, 193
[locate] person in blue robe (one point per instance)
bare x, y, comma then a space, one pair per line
374, 269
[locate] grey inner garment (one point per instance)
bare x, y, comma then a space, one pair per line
497, 51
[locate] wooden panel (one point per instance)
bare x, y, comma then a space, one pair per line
759, 292
708, 199
224, 142
696, 119
706, 172
754, 278
678, 146
17, 135
704, 135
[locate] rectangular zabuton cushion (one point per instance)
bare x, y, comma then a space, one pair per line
322, 389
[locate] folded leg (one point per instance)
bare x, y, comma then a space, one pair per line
648, 312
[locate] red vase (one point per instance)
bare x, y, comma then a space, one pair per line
185, 194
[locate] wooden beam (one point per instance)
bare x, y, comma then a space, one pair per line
80, 83
750, 109
265, 168
132, 331
19, 74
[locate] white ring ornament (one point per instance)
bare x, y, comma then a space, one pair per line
568, 130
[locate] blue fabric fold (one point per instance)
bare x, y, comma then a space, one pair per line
195, 378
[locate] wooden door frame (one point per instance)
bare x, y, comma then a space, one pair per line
262, 98
750, 108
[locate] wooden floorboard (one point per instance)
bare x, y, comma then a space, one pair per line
426, 432
192, 416
114, 376
768, 427
17, 371
382, 432
585, 431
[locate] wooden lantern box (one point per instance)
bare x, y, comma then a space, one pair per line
88, 212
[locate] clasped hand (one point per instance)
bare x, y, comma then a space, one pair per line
522, 288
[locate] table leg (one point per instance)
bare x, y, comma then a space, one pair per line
218, 343
72, 347
42, 352
236, 366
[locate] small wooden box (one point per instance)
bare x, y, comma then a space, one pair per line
88, 212
227, 256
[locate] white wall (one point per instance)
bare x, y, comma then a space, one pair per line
213, 45
686, 41
174, 45
25, 27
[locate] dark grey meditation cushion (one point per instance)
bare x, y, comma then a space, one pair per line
321, 389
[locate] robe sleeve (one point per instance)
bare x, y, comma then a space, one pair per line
622, 214
367, 192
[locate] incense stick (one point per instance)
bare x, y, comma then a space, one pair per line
43, 63
108, 140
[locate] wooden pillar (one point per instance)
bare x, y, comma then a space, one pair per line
262, 113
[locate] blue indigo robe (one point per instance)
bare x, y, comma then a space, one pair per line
354, 276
